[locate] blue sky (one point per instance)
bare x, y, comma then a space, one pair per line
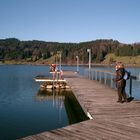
70, 20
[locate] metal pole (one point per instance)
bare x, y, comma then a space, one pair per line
77, 63
111, 80
130, 87
89, 65
60, 61
89, 62
59, 53
60, 65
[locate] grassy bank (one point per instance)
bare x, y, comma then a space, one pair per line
132, 60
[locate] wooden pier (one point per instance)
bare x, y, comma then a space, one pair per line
111, 120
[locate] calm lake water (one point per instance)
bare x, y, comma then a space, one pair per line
22, 113
24, 110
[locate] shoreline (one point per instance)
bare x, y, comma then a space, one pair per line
67, 64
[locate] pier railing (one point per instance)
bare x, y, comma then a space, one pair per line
105, 77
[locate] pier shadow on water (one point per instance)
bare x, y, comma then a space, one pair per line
73, 109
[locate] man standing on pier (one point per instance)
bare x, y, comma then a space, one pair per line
120, 82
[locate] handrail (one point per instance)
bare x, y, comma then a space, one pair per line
130, 84
105, 77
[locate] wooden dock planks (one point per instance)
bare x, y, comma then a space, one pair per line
111, 120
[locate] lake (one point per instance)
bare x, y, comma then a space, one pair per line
25, 110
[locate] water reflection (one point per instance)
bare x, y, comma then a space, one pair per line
63, 99
46, 94
57, 98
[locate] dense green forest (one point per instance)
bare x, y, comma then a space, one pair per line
33, 51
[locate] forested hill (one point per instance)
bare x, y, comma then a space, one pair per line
35, 51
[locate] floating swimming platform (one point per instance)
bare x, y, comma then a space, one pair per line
42, 78
55, 86
51, 83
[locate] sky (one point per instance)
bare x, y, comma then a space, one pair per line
70, 20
